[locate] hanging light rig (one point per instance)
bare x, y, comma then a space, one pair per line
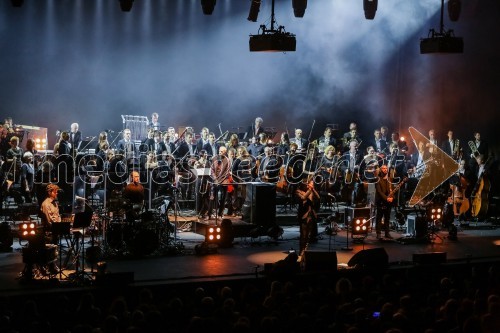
270, 40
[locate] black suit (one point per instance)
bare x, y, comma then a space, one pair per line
208, 148
199, 144
75, 139
381, 148
383, 189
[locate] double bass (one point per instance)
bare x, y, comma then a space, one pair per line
458, 199
480, 195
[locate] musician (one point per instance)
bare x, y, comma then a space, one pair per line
13, 158
49, 212
283, 145
203, 140
154, 124
401, 145
50, 208
481, 148
211, 147
234, 141
173, 135
27, 176
186, 147
167, 146
378, 143
451, 146
256, 128
102, 144
203, 187
416, 165
134, 195
384, 201
256, 148
326, 140
353, 134
384, 133
125, 146
309, 201
299, 141
269, 169
369, 165
351, 159
148, 144
75, 137
220, 173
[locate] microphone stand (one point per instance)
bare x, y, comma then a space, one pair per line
347, 248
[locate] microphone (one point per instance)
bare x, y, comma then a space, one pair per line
109, 131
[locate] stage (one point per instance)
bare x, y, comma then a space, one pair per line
178, 259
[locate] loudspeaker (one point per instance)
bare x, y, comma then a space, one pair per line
313, 261
376, 258
260, 204
431, 258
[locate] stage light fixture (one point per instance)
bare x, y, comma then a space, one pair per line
454, 8
254, 11
126, 5
213, 235
17, 3
435, 213
270, 40
27, 230
360, 226
208, 6
370, 8
443, 41
299, 7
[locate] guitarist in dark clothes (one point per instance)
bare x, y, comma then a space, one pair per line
383, 200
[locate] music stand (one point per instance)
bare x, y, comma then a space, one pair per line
82, 220
60, 229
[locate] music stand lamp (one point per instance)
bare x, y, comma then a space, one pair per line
82, 220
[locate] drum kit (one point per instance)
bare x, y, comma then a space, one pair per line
134, 230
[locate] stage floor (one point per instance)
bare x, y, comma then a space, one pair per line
178, 262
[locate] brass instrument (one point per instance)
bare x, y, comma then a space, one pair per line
473, 149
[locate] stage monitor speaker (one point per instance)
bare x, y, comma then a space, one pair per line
430, 258
315, 261
375, 258
260, 204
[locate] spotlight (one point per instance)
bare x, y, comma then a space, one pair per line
27, 230
442, 41
360, 226
370, 8
254, 11
454, 8
435, 213
213, 235
299, 7
208, 6
17, 3
270, 40
126, 5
